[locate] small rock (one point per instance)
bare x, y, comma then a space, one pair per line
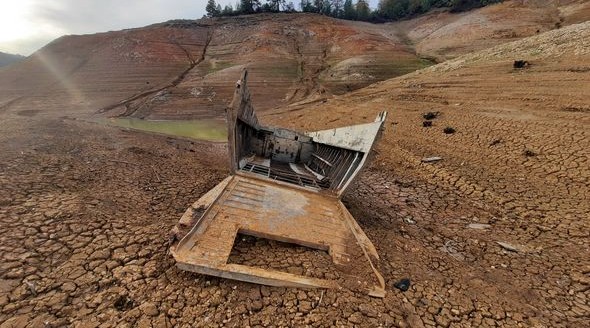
519, 64
430, 115
449, 130
16, 321
409, 220
479, 226
403, 284
495, 142
301, 295
529, 153
368, 310
509, 247
32, 287
254, 293
431, 159
100, 255
123, 303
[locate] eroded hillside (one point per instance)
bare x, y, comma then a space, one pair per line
443, 35
186, 69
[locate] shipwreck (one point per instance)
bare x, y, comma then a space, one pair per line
286, 186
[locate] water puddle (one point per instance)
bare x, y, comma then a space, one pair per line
209, 130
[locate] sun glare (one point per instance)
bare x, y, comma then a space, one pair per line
21, 29
15, 21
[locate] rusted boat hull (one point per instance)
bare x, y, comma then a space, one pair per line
285, 186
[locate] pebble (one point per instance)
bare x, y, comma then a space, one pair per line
403, 284
431, 159
479, 226
509, 247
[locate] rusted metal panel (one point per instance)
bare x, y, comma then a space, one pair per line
358, 137
284, 186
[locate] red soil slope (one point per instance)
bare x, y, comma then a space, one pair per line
186, 69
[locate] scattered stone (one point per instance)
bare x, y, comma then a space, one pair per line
479, 226
100, 255
409, 220
431, 159
449, 248
495, 142
305, 306
68, 286
403, 284
509, 247
368, 310
529, 153
430, 115
518, 64
32, 287
123, 303
427, 124
449, 130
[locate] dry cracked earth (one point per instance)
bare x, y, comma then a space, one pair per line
86, 211
496, 234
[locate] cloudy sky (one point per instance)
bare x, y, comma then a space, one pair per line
27, 25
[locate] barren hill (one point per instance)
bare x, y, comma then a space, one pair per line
185, 69
7, 59
444, 35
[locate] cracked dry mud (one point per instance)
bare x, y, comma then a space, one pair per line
86, 210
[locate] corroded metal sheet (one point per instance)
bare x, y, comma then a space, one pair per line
284, 186
358, 137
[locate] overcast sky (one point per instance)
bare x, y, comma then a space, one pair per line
27, 25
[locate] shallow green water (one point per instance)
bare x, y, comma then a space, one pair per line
210, 130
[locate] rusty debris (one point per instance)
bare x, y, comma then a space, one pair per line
284, 186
